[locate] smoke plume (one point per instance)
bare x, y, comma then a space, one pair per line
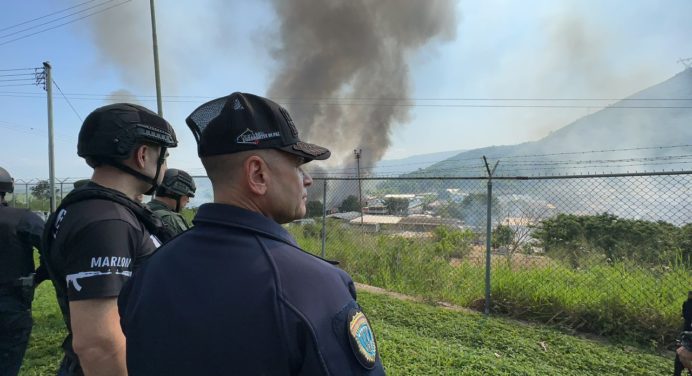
343, 71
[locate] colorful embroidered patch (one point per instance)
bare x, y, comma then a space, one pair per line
362, 338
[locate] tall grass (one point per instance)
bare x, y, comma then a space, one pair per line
622, 300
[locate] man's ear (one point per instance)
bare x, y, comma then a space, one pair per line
256, 174
140, 155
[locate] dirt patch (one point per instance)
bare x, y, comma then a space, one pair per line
518, 260
396, 295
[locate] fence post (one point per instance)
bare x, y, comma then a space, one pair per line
324, 218
26, 195
14, 195
488, 233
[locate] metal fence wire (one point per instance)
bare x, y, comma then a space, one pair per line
608, 254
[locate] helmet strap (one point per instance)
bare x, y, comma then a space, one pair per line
152, 181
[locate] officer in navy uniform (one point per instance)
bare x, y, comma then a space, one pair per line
99, 234
235, 295
172, 196
20, 232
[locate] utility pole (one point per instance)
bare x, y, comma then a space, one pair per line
357, 152
51, 152
159, 104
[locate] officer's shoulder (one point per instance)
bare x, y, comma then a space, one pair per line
95, 210
22, 213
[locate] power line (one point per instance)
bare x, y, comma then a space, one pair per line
17, 69
65, 23
54, 20
17, 79
30, 130
68, 101
497, 156
413, 105
374, 100
17, 74
18, 85
47, 15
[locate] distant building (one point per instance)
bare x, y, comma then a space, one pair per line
347, 216
376, 223
425, 223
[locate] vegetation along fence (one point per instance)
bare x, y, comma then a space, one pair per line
606, 254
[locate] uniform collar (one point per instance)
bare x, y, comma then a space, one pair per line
234, 216
155, 204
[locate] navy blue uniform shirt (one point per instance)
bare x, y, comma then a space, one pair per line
235, 295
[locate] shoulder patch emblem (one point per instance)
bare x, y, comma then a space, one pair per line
362, 338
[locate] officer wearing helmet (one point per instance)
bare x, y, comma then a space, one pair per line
20, 232
172, 196
99, 234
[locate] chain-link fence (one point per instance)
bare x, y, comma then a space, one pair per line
609, 254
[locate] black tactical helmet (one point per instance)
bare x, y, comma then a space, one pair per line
112, 132
6, 181
176, 183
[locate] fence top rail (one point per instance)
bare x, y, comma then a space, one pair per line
546, 177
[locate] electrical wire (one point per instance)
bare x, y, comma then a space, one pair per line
53, 20
68, 101
65, 23
47, 15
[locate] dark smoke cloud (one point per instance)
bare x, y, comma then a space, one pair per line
354, 49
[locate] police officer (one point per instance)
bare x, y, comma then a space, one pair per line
172, 196
20, 232
240, 297
99, 234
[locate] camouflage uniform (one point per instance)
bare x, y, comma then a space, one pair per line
174, 221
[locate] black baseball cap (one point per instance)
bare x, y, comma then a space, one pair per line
242, 122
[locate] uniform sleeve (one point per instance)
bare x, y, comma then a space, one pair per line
30, 229
99, 260
304, 355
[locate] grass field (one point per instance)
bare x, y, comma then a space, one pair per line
419, 339
621, 300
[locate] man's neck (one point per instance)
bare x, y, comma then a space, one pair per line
166, 201
111, 177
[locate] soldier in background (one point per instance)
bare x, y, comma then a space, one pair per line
172, 196
99, 234
20, 232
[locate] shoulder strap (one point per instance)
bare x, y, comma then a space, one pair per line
153, 224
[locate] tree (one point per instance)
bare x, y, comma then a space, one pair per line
350, 203
502, 236
314, 209
396, 206
41, 190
